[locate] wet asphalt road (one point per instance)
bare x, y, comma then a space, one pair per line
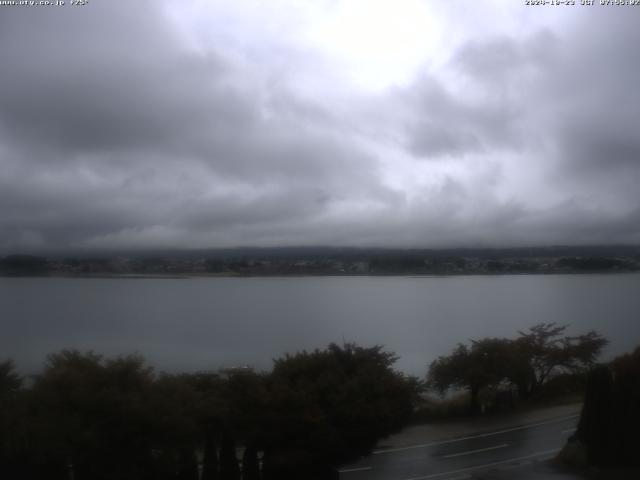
462, 457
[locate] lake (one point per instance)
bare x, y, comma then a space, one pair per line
207, 323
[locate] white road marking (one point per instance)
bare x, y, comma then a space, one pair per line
480, 435
569, 430
471, 452
486, 465
359, 469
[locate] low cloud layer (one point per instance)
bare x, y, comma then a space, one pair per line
209, 125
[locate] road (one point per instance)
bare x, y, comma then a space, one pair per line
461, 458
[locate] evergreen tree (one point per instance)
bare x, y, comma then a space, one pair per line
596, 420
610, 418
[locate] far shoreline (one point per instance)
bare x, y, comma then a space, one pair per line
187, 276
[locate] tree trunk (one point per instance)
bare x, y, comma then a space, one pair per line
475, 403
523, 390
210, 459
229, 469
250, 466
188, 465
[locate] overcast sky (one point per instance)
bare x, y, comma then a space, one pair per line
401, 123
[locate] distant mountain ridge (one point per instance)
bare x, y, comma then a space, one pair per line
329, 261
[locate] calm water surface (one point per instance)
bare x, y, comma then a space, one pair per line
206, 323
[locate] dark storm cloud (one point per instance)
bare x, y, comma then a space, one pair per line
560, 106
486, 112
593, 120
110, 125
601, 99
452, 127
116, 130
103, 79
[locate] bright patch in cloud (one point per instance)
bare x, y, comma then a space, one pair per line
379, 42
